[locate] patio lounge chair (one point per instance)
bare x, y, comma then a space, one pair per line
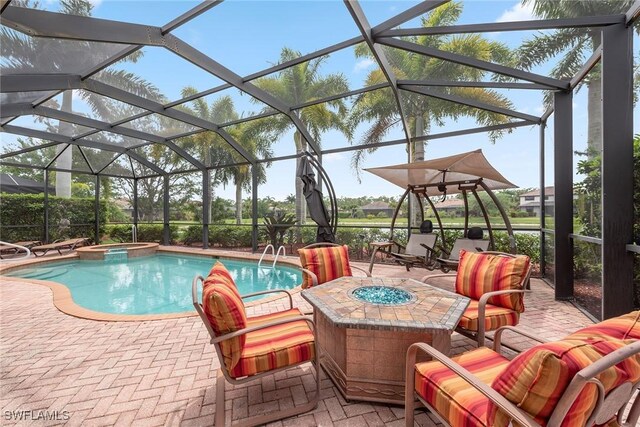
68, 245
586, 379
13, 250
250, 348
496, 283
473, 242
323, 262
420, 249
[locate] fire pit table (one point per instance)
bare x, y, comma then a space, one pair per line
366, 324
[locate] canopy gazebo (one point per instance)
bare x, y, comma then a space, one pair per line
462, 173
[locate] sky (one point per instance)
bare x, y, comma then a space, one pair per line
247, 36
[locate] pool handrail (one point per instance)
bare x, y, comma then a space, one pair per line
13, 245
273, 254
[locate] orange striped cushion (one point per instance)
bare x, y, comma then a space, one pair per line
275, 346
622, 327
480, 273
224, 308
327, 263
536, 379
495, 317
450, 395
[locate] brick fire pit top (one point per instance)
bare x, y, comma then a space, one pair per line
430, 307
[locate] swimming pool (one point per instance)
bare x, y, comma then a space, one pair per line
156, 284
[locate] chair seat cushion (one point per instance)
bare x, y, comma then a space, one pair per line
495, 317
480, 273
536, 379
326, 263
451, 396
622, 328
275, 346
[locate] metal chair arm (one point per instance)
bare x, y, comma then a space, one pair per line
434, 276
271, 291
314, 278
497, 337
362, 270
245, 331
500, 401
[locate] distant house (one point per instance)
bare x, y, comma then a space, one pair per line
530, 201
125, 206
451, 206
374, 208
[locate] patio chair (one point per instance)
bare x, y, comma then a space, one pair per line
420, 249
495, 282
250, 348
473, 242
68, 245
588, 378
323, 262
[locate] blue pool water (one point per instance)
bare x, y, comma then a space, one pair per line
154, 284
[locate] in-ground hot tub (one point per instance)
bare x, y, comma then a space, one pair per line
132, 250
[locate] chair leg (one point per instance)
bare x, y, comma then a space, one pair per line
409, 385
220, 410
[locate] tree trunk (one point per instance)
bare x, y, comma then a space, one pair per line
418, 156
238, 202
594, 105
301, 211
418, 152
64, 160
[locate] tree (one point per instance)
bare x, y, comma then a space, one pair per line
422, 112
253, 136
299, 84
576, 44
45, 55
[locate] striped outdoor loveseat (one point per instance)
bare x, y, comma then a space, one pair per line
585, 379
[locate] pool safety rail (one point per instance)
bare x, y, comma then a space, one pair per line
274, 253
18, 249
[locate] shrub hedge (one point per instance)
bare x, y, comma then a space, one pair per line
146, 233
22, 217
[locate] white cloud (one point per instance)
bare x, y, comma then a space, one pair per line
363, 64
517, 13
334, 157
95, 3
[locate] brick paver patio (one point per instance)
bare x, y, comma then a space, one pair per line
162, 372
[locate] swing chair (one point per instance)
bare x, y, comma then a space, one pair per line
466, 174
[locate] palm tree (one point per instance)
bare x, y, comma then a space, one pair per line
379, 107
250, 135
45, 55
576, 44
299, 84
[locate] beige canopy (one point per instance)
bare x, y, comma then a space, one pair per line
452, 171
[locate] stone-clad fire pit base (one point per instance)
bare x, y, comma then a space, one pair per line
364, 345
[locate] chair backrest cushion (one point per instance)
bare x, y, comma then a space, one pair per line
326, 263
622, 328
225, 310
536, 379
479, 273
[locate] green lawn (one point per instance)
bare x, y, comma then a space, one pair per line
527, 222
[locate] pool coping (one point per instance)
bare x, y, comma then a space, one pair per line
63, 300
